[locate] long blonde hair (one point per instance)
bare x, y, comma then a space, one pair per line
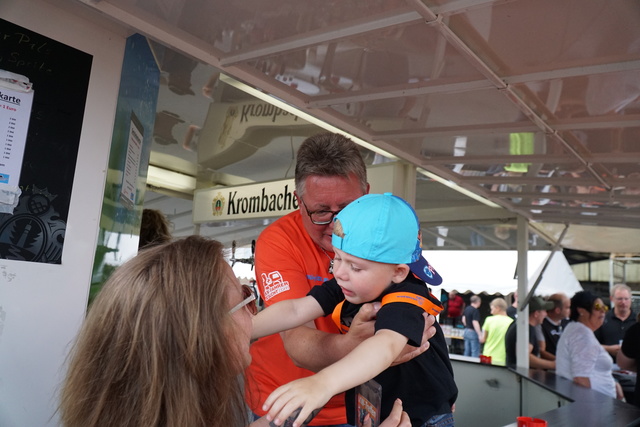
155, 347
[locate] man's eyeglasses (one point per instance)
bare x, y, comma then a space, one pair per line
249, 300
320, 217
600, 307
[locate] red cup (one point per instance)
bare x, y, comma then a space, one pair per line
531, 422
524, 421
485, 359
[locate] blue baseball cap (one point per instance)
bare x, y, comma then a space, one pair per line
383, 228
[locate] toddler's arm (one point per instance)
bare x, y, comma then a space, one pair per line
285, 315
367, 360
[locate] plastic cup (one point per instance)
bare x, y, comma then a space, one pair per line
524, 421
537, 422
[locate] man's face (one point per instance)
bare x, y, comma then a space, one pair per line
537, 317
622, 301
566, 308
323, 193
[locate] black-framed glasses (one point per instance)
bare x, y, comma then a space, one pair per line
320, 217
249, 300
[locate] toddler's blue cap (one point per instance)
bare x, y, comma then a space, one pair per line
383, 228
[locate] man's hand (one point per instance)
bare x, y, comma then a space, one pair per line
409, 351
363, 324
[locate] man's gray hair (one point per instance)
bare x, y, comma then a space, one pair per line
329, 154
620, 287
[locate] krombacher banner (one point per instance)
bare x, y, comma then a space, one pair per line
275, 198
266, 199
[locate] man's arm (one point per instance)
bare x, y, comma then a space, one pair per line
540, 363
543, 351
285, 315
314, 350
483, 336
476, 327
626, 362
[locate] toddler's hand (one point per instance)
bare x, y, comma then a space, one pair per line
305, 395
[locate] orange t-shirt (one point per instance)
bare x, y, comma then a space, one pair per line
288, 265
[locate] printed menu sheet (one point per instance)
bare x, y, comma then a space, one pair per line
15, 111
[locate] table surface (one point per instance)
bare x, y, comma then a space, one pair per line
588, 407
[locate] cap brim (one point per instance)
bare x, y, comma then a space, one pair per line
425, 272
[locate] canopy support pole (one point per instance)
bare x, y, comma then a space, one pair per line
522, 321
544, 267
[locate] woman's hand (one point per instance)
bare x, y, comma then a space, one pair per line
397, 417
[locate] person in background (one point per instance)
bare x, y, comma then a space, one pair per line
512, 310
455, 307
617, 321
579, 356
494, 330
140, 359
154, 228
628, 357
472, 330
553, 325
537, 311
292, 256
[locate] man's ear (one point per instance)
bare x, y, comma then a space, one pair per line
400, 273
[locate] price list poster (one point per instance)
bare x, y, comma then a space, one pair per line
43, 92
15, 111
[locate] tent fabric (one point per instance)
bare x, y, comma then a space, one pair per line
494, 272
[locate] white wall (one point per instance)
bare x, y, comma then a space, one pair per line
43, 304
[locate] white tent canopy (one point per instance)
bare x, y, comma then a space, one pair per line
493, 272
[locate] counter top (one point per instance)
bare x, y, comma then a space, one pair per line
588, 407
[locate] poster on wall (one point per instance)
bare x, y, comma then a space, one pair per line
40, 140
16, 98
128, 189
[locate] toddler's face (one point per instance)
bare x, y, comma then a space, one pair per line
362, 280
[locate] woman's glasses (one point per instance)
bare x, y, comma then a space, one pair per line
600, 307
249, 300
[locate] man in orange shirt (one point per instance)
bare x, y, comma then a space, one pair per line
292, 256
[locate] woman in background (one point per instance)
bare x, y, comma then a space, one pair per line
154, 228
579, 355
165, 343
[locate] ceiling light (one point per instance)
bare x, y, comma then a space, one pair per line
170, 180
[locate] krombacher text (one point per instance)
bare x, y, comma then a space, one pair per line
261, 203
